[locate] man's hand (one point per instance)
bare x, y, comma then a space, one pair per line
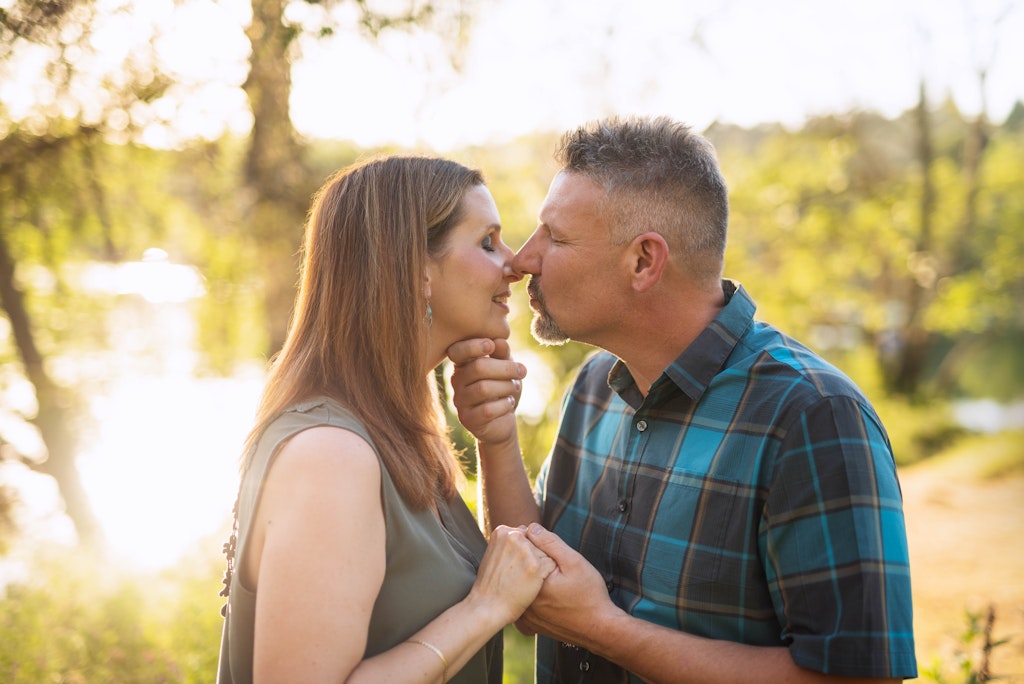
486, 386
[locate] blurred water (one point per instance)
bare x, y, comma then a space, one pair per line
163, 472
988, 415
159, 460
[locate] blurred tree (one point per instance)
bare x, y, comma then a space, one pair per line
904, 352
273, 170
41, 23
54, 205
57, 206
275, 177
57, 408
856, 230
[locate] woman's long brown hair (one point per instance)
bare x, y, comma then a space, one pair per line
358, 332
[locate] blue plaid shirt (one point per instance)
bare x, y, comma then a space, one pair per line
751, 496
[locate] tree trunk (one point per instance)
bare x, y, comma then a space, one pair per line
904, 364
273, 167
58, 411
974, 152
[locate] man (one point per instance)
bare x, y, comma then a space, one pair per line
722, 503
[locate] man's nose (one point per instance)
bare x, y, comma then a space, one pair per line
526, 261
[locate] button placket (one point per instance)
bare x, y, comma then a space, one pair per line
623, 504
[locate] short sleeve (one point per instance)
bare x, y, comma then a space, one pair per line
834, 544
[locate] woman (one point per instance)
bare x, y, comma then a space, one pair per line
355, 559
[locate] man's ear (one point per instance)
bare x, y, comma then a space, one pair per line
648, 255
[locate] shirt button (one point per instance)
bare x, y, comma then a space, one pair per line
641, 425
584, 666
623, 505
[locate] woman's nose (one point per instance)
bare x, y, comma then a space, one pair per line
510, 272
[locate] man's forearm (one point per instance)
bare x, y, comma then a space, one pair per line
660, 655
505, 493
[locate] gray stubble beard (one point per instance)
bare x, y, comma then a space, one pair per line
544, 328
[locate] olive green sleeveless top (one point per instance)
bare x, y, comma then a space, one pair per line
431, 565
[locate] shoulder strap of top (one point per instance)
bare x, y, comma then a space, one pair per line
293, 420
309, 414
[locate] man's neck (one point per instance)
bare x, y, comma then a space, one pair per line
661, 334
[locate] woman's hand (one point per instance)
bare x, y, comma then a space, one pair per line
511, 574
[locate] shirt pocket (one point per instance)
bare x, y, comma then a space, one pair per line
697, 533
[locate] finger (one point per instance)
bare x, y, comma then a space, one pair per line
486, 412
502, 349
482, 391
464, 351
500, 369
550, 543
483, 369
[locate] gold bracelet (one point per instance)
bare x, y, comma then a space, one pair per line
437, 652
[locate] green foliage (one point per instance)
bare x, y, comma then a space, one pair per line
825, 236
519, 655
8, 501
1004, 455
918, 430
828, 235
71, 216
989, 365
991, 456
76, 620
972, 656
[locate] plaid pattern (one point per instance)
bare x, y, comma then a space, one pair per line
752, 496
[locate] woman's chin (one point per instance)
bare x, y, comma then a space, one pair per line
495, 332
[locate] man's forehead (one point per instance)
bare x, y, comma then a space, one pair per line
571, 192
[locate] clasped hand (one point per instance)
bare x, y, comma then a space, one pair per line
541, 584
574, 597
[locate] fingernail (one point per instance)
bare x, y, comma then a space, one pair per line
535, 528
518, 384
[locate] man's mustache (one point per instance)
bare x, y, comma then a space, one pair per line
533, 289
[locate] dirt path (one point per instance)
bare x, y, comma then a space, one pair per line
966, 537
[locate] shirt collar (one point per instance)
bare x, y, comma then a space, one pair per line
695, 367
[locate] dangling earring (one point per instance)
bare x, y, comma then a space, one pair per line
429, 317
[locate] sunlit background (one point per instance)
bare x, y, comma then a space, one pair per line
527, 65
160, 466
540, 65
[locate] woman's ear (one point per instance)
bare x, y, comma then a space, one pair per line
426, 282
648, 255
